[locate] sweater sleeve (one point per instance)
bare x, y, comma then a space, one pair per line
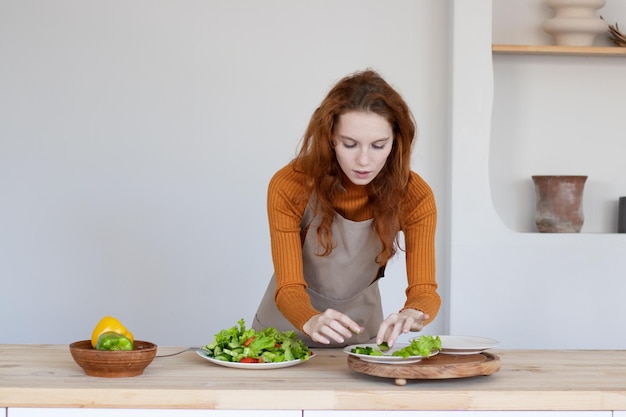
418, 225
286, 201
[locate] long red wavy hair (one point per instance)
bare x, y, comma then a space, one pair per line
363, 91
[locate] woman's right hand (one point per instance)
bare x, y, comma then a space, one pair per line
330, 325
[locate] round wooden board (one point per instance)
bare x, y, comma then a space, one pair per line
442, 366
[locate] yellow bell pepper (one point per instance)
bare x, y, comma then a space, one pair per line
109, 324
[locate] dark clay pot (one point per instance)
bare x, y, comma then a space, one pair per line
559, 206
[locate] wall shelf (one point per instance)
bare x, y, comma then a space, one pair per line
559, 50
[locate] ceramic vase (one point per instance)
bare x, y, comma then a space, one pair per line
575, 22
559, 206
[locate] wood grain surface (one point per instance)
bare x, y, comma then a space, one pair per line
441, 366
47, 376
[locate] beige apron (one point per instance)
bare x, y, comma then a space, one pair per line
346, 280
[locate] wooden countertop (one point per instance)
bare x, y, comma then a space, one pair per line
47, 376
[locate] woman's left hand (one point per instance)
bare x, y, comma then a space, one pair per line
398, 323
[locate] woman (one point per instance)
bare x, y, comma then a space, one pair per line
335, 213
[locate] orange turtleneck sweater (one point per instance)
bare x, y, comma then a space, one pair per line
286, 205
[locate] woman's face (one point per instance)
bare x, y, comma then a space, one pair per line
362, 141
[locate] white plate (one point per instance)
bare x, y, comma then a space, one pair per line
387, 356
268, 365
466, 345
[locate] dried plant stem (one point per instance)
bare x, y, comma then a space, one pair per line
617, 37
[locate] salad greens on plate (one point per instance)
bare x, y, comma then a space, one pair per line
240, 344
422, 346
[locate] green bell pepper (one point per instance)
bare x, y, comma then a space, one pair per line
114, 341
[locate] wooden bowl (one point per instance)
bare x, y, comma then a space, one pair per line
113, 364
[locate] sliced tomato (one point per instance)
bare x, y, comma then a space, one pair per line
250, 360
247, 342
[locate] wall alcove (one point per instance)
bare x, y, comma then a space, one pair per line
555, 112
552, 115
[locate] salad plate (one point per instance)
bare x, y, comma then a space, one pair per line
266, 365
466, 345
241, 347
387, 356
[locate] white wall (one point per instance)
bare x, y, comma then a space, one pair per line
530, 289
137, 138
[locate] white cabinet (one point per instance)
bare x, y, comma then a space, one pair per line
101, 412
357, 413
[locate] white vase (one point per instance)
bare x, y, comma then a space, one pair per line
575, 22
